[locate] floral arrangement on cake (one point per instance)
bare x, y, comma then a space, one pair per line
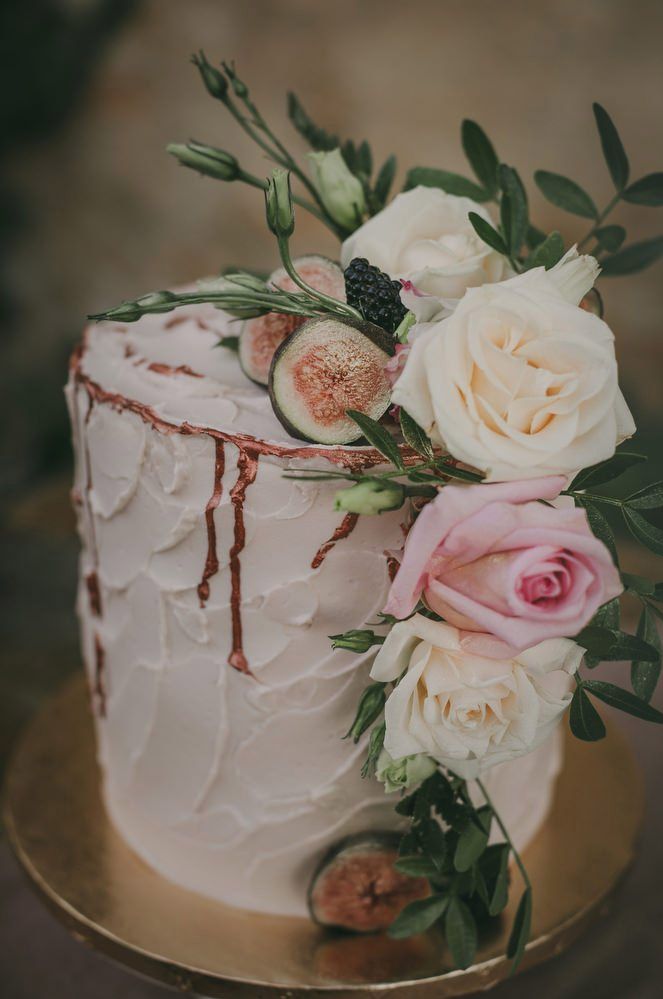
469, 348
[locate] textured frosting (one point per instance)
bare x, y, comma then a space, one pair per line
209, 586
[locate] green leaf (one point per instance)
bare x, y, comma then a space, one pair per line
229, 342
647, 534
610, 237
418, 440
585, 721
371, 705
500, 895
462, 474
433, 841
607, 470
599, 526
376, 435
607, 616
481, 155
385, 179
547, 253
613, 646
613, 150
452, 183
417, 867
623, 700
375, 744
649, 498
460, 931
534, 236
633, 258
356, 640
472, 841
638, 584
316, 137
514, 212
644, 675
417, 917
646, 191
520, 930
566, 194
486, 232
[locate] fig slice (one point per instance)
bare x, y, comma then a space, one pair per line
592, 302
357, 888
260, 337
324, 368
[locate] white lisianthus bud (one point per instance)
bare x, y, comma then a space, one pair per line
574, 275
370, 497
398, 775
341, 192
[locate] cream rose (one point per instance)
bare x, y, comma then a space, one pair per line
426, 237
519, 381
467, 711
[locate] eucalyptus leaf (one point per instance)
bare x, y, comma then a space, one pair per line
649, 498
486, 232
623, 700
585, 721
452, 183
376, 435
613, 150
515, 215
520, 930
460, 932
416, 867
613, 646
547, 253
481, 155
610, 237
417, 917
534, 236
385, 179
599, 526
472, 841
646, 191
641, 529
606, 471
638, 584
566, 194
500, 895
633, 258
316, 137
644, 675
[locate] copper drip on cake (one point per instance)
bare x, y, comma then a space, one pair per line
247, 468
393, 565
344, 529
212, 560
93, 592
99, 686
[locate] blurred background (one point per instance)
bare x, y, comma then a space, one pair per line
92, 211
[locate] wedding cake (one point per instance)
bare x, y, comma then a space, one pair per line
346, 566
209, 585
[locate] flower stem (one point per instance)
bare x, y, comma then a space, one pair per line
332, 304
505, 833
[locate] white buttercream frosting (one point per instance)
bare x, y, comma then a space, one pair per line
230, 783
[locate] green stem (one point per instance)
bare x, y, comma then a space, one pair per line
253, 181
332, 304
507, 837
602, 216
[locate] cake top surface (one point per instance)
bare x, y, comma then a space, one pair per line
175, 365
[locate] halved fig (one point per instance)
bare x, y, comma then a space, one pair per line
357, 888
326, 367
260, 337
592, 302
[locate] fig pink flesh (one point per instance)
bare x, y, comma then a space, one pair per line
336, 377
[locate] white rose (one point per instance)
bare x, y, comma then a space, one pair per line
519, 381
424, 236
465, 710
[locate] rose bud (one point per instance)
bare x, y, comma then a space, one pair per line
341, 192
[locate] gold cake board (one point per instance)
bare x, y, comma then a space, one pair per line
111, 900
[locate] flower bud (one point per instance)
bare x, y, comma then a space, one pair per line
356, 640
214, 80
278, 204
206, 160
157, 301
397, 775
370, 496
341, 192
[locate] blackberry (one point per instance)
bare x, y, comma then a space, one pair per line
374, 293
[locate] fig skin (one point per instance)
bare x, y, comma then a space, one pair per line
592, 302
265, 333
378, 337
356, 888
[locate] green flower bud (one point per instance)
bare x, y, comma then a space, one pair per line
356, 640
278, 204
370, 496
157, 301
341, 192
214, 80
206, 160
397, 775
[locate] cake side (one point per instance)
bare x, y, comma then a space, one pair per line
209, 586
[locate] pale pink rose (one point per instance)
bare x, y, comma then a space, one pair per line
490, 559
